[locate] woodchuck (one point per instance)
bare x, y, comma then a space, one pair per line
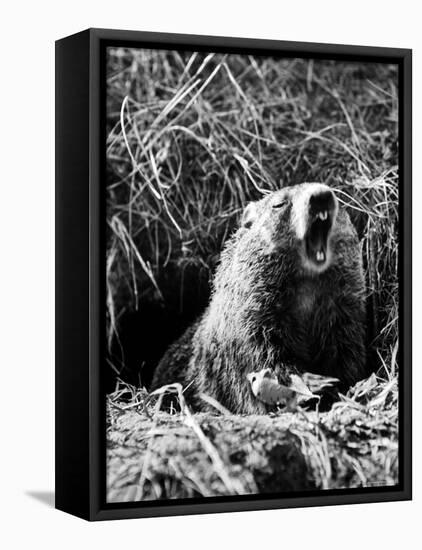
288, 294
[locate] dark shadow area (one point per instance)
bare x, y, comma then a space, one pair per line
145, 335
45, 497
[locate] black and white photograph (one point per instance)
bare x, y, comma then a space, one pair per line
252, 294
210, 275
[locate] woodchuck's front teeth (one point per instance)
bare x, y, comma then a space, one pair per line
323, 215
320, 256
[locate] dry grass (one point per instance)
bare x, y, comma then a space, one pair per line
191, 139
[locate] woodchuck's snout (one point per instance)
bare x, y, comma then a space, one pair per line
288, 295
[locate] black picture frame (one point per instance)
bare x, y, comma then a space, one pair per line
80, 161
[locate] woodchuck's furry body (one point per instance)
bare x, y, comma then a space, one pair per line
288, 294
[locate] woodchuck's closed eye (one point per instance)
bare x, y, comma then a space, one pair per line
288, 295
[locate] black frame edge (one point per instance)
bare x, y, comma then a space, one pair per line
406, 274
216, 42
248, 506
86, 501
96, 278
72, 293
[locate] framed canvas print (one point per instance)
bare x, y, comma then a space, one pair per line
233, 274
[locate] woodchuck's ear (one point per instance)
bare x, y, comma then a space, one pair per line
249, 215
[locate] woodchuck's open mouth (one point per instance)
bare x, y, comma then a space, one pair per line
317, 239
320, 221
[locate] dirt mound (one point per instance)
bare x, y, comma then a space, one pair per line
156, 455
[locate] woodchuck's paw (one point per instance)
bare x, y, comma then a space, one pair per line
318, 383
268, 390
